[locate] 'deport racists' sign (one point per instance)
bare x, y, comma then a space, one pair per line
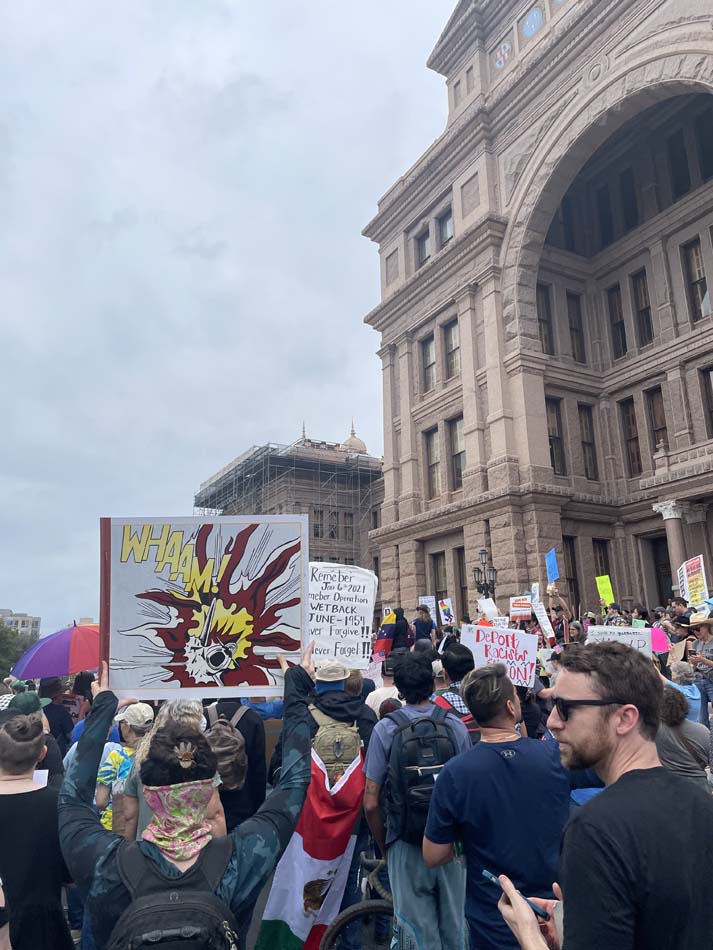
517, 650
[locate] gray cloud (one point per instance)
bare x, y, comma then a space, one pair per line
182, 275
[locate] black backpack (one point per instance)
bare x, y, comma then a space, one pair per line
420, 749
175, 913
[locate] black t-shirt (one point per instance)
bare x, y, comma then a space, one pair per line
33, 870
61, 725
636, 864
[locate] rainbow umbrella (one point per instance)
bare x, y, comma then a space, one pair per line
68, 651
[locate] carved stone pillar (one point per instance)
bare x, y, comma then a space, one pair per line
672, 514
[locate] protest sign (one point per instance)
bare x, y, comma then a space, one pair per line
632, 636
535, 593
677, 651
385, 611
696, 584
341, 600
553, 571
638, 623
427, 600
73, 704
520, 608
544, 657
682, 585
500, 622
606, 592
202, 606
543, 619
446, 610
517, 650
488, 608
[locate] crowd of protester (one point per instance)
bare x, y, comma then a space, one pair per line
589, 794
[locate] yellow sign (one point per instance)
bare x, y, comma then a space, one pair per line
605, 589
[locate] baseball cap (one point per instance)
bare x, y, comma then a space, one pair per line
28, 703
559, 608
137, 714
331, 671
590, 615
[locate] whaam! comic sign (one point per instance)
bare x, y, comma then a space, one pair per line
193, 606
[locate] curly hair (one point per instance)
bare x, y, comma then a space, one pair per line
674, 707
22, 739
178, 753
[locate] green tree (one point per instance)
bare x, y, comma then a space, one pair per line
12, 646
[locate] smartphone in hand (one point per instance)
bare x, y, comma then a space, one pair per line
534, 907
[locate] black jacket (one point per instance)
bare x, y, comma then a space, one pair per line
241, 804
340, 706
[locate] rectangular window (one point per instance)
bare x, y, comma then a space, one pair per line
445, 228
375, 567
604, 216
576, 327
678, 165
707, 386
630, 432
333, 525
616, 322
544, 318
642, 308
451, 337
457, 444
423, 248
318, 523
657, 418
438, 569
629, 204
600, 547
433, 463
554, 431
348, 522
428, 363
375, 518
462, 580
470, 79
570, 573
589, 449
703, 128
696, 284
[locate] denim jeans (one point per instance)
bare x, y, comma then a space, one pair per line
428, 902
706, 687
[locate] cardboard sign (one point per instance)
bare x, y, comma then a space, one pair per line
517, 650
696, 584
428, 600
632, 636
488, 608
445, 608
195, 607
553, 571
606, 591
520, 608
341, 600
543, 619
677, 651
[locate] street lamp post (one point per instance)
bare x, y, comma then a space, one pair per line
485, 578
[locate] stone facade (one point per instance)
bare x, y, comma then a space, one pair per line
562, 224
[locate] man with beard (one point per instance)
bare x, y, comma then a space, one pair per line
625, 885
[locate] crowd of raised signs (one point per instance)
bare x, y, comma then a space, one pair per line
574, 812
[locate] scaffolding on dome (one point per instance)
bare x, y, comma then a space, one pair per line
319, 479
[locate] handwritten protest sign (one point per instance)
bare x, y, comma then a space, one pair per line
606, 591
636, 637
445, 607
341, 601
517, 650
682, 585
696, 584
520, 608
428, 600
553, 571
543, 619
488, 608
501, 622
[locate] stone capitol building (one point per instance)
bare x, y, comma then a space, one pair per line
545, 315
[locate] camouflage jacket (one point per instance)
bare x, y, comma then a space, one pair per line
91, 851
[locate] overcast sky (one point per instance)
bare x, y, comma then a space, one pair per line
182, 275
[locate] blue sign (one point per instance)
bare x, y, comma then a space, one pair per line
553, 571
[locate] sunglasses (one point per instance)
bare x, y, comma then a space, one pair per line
563, 706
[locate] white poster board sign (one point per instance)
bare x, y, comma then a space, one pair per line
445, 608
428, 600
520, 608
517, 650
201, 607
341, 599
637, 637
501, 623
488, 608
540, 611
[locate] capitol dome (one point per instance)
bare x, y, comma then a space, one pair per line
354, 444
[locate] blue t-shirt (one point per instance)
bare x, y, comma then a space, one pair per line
423, 628
508, 803
79, 729
693, 695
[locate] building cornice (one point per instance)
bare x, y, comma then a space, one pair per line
487, 232
462, 32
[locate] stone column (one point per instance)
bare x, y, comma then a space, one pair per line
412, 568
410, 500
389, 575
697, 520
502, 467
475, 475
672, 513
680, 432
389, 506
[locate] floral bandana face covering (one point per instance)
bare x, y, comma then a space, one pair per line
179, 827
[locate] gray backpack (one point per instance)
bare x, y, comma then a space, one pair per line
336, 743
229, 746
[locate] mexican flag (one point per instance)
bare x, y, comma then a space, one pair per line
310, 878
